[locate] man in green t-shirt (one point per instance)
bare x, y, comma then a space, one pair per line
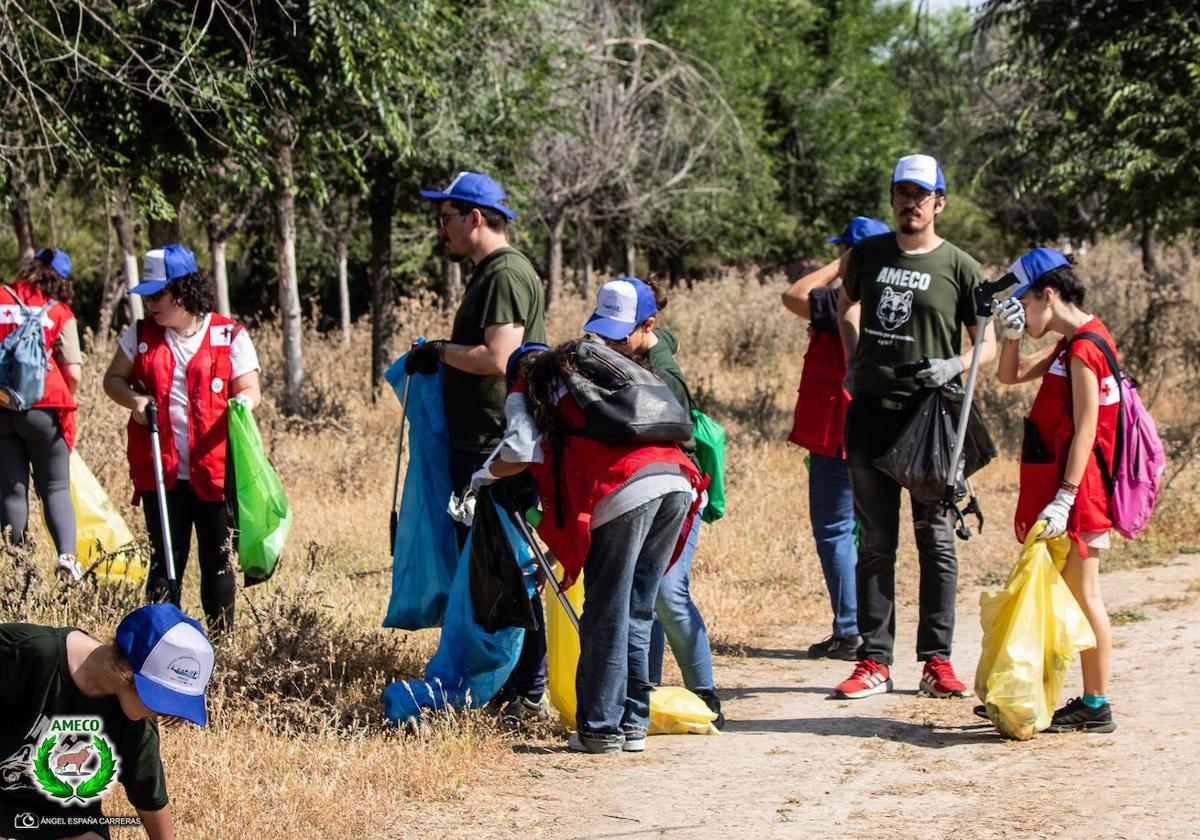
915, 292
502, 306
77, 715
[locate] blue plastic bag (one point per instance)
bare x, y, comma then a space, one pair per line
470, 665
425, 551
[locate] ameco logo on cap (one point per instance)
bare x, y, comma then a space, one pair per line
186, 668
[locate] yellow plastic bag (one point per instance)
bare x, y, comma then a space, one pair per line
1032, 629
673, 710
101, 530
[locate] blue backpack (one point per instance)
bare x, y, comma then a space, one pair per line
24, 359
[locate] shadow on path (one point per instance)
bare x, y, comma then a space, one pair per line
920, 735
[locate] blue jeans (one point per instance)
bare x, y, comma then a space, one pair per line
831, 509
621, 575
676, 620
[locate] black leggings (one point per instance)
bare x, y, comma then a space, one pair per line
34, 438
214, 540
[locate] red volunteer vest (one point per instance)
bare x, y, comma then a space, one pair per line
819, 419
57, 395
207, 379
1051, 416
590, 471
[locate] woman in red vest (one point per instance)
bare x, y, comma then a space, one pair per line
43, 436
1073, 419
190, 361
616, 512
818, 426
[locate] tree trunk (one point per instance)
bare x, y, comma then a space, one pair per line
382, 209
585, 260
554, 255
341, 251
452, 284
630, 258
1149, 256
18, 206
122, 221
220, 271
284, 206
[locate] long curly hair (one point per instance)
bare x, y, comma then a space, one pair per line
195, 292
45, 279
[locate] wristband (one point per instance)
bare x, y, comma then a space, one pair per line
1068, 486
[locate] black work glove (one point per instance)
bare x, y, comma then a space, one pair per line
424, 358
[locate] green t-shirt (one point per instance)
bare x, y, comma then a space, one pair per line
36, 687
661, 361
913, 305
503, 290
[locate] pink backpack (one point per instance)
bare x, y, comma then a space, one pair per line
1133, 478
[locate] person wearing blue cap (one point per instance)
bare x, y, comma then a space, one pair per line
626, 318
191, 362
42, 436
1070, 437
79, 710
817, 425
915, 293
502, 306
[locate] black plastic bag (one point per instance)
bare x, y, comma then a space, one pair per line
499, 595
919, 460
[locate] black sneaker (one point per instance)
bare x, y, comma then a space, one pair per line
1077, 716
836, 647
713, 702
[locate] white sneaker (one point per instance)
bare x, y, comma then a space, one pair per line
68, 570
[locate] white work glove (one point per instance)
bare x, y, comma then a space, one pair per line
244, 401
482, 478
1011, 317
462, 510
1056, 514
940, 371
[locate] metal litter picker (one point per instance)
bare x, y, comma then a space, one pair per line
161, 495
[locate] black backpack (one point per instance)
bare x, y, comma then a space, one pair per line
621, 401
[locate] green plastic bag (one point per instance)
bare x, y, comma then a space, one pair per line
710, 452
264, 516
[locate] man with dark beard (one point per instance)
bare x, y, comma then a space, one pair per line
916, 293
502, 307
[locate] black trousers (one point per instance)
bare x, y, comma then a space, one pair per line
528, 678
870, 431
214, 541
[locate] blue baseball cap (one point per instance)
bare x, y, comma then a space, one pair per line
1033, 265
621, 305
56, 259
860, 227
171, 658
162, 265
921, 170
510, 367
474, 188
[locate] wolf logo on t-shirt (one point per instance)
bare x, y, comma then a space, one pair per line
894, 308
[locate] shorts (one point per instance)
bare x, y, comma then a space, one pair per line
1096, 539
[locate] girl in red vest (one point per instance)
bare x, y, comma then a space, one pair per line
191, 362
618, 514
43, 436
818, 425
1073, 419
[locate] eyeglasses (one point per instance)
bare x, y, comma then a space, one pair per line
917, 197
444, 218
157, 296
615, 342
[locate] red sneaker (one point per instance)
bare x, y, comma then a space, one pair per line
939, 680
868, 678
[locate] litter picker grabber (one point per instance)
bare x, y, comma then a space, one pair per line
544, 564
161, 494
984, 302
394, 516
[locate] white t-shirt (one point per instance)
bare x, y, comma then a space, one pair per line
242, 356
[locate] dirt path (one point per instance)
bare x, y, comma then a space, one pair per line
794, 763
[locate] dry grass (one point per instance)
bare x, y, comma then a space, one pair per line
297, 747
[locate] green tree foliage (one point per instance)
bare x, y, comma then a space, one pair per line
1101, 109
